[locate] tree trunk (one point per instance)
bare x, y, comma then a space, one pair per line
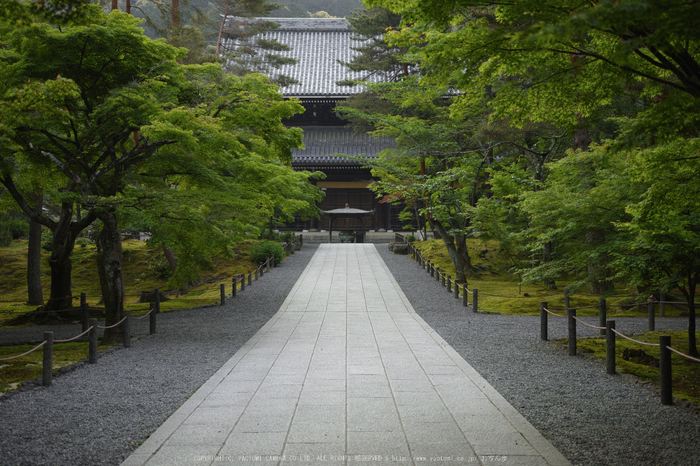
35, 295
457, 249
597, 267
109, 263
64, 235
692, 344
175, 12
549, 283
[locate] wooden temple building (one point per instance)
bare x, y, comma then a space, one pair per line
319, 45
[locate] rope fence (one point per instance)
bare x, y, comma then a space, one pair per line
606, 326
90, 326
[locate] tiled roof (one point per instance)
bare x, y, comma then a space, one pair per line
322, 142
318, 44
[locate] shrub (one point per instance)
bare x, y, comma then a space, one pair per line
287, 236
17, 227
5, 236
160, 266
261, 251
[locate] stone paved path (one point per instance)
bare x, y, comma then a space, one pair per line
346, 373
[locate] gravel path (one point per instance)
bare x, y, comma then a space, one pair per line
592, 418
98, 414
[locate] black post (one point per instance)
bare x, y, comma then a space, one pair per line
456, 290
603, 316
84, 312
652, 316
273, 261
157, 291
222, 292
475, 300
233, 288
437, 273
610, 347
256, 273
665, 370
449, 283
572, 331
250, 278
432, 270
662, 304
152, 321
92, 341
243, 282
465, 298
127, 329
443, 279
566, 301
47, 365
543, 321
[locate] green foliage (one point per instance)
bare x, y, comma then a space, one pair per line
263, 250
287, 236
159, 266
5, 236
304, 8
15, 225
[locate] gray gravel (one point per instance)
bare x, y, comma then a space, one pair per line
592, 418
98, 414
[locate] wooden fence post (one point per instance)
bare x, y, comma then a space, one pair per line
47, 364
603, 314
157, 293
571, 313
127, 329
465, 292
449, 283
222, 292
652, 316
665, 370
662, 304
544, 330
475, 300
610, 347
84, 311
152, 321
92, 341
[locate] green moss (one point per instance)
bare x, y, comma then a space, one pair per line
138, 276
14, 373
685, 373
501, 292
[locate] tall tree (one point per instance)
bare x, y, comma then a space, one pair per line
79, 129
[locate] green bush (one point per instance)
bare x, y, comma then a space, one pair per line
260, 252
5, 236
287, 236
159, 266
17, 227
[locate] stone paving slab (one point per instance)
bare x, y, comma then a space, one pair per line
346, 373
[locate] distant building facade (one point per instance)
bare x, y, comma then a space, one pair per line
319, 45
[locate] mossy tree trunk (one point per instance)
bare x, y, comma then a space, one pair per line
456, 245
35, 295
109, 263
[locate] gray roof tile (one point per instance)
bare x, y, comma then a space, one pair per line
318, 44
323, 142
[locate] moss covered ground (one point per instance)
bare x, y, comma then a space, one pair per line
141, 265
501, 292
